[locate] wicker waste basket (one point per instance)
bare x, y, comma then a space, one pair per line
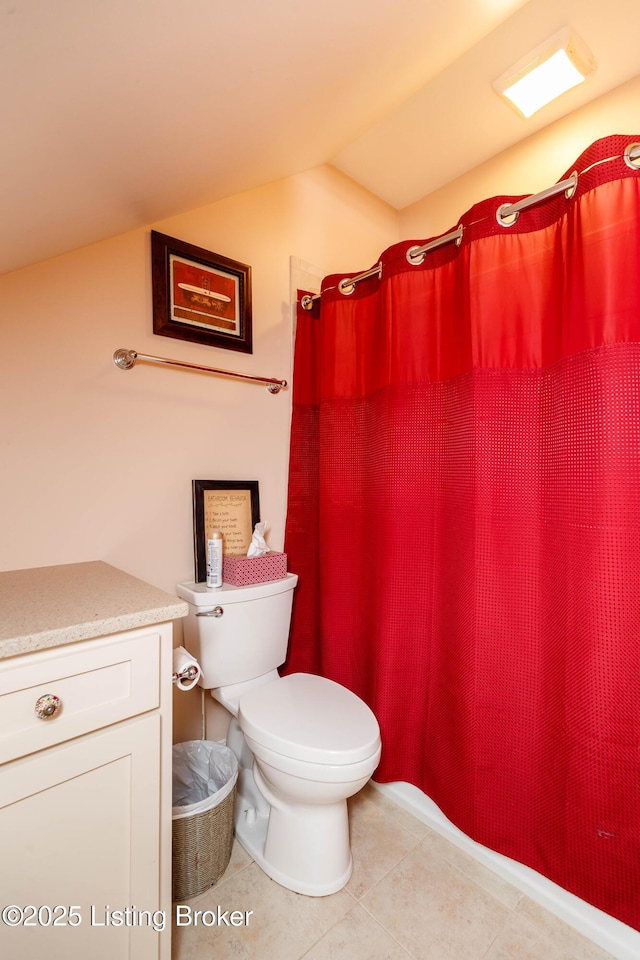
204, 791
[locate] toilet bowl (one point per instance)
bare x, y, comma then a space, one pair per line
304, 743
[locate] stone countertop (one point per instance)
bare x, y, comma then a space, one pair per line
49, 606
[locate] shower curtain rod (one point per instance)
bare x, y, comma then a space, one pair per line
126, 359
507, 214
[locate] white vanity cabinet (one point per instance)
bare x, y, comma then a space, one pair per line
85, 795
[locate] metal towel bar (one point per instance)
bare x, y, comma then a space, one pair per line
126, 359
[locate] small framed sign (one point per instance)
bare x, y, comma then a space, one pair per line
230, 506
200, 296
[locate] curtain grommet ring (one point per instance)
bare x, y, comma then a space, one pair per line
346, 287
307, 302
415, 255
573, 186
632, 155
505, 216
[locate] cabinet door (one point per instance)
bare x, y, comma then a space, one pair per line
79, 827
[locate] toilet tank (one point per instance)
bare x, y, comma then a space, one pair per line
247, 633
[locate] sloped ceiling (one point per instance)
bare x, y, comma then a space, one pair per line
115, 114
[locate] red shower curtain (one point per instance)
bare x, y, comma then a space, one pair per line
464, 510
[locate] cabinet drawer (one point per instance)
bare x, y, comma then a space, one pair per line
98, 682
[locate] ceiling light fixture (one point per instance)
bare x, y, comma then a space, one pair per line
555, 66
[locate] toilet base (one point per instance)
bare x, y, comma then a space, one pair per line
303, 847
252, 837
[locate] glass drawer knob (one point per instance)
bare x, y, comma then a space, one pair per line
48, 706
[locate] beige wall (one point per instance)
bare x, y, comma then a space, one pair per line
97, 463
532, 165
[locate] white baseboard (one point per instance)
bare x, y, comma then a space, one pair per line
618, 939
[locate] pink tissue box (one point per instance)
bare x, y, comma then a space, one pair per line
242, 571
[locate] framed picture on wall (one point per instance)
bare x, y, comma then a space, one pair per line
200, 296
230, 506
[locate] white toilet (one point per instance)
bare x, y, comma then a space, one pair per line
304, 743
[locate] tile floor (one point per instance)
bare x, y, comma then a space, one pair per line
412, 895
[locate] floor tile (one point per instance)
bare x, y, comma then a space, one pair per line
521, 940
279, 924
579, 947
357, 937
405, 819
476, 871
434, 910
378, 843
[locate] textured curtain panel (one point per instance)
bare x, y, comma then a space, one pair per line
464, 515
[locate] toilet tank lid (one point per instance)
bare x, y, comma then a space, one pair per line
310, 718
202, 596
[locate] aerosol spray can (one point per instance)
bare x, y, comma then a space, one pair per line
214, 559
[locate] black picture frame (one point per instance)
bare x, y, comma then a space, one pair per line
233, 506
200, 296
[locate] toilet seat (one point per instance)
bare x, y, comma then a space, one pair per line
309, 718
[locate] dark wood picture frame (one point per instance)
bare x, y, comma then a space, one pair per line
199, 295
231, 506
